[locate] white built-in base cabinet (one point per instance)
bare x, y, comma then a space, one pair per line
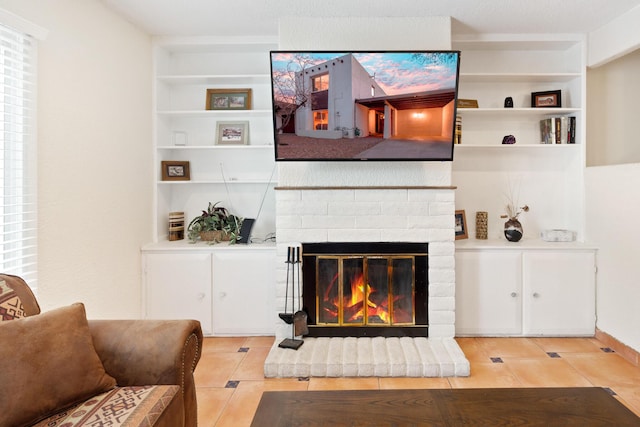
228, 289
525, 292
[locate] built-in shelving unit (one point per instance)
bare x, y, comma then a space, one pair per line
547, 177
241, 177
201, 281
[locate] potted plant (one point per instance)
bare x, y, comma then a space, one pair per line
215, 225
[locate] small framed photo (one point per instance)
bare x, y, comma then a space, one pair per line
228, 99
461, 225
552, 98
175, 170
232, 133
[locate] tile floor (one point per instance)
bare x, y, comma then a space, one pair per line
230, 382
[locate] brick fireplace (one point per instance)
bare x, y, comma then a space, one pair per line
422, 215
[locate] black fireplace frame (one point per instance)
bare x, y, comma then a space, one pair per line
421, 308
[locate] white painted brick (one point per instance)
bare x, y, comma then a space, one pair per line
288, 195
441, 289
297, 208
442, 303
328, 222
445, 275
441, 262
441, 235
442, 331
406, 208
361, 235
301, 235
442, 208
415, 195
327, 195
354, 208
389, 235
381, 221
381, 195
426, 221
446, 196
442, 248
441, 317
288, 221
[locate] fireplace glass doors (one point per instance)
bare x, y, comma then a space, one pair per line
365, 289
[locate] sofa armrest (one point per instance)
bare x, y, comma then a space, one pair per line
149, 352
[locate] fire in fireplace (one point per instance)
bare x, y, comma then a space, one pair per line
366, 289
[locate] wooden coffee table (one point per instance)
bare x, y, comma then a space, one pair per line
588, 406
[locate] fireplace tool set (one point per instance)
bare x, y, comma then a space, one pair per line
297, 319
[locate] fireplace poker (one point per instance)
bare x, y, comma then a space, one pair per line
300, 317
292, 342
287, 317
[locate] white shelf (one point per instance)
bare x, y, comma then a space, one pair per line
506, 112
217, 147
214, 79
518, 77
230, 181
212, 113
516, 146
504, 244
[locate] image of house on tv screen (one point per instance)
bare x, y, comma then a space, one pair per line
364, 105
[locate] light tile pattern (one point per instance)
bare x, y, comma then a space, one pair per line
525, 363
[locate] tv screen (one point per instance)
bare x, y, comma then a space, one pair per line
354, 106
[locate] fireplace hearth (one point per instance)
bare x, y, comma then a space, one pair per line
366, 289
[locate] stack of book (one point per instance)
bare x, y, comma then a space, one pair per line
558, 130
458, 133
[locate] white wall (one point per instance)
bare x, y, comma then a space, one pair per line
612, 196
95, 171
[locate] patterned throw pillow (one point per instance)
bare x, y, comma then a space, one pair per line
10, 303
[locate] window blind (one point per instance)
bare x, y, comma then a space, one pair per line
18, 213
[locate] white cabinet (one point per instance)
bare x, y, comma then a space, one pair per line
488, 293
229, 289
559, 293
243, 292
240, 176
532, 292
178, 286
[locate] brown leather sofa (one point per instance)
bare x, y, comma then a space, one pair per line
134, 355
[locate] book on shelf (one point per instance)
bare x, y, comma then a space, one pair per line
558, 130
458, 132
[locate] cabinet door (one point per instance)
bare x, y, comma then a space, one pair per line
488, 286
243, 289
559, 293
178, 286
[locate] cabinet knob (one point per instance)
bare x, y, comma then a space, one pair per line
536, 295
514, 294
200, 296
223, 294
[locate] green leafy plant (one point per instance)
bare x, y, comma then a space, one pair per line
215, 218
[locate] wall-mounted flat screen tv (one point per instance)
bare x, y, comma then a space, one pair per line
354, 106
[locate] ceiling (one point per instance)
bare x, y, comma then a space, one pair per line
260, 17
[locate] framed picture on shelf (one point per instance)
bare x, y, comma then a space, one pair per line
173, 170
461, 225
552, 98
228, 99
232, 133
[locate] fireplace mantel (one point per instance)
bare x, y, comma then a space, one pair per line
372, 187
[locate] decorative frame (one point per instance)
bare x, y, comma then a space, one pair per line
173, 170
228, 99
232, 133
461, 225
548, 99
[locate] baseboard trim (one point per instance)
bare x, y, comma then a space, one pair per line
623, 350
